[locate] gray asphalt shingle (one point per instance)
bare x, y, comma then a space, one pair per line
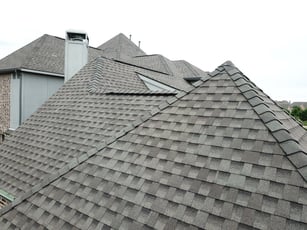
210, 158
43, 54
120, 47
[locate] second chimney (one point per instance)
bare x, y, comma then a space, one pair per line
76, 52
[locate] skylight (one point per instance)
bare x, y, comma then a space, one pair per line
5, 198
154, 85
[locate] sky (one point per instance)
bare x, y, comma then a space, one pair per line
266, 40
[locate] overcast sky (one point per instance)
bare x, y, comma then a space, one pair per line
266, 40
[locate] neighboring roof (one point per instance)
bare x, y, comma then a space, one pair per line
120, 47
300, 104
288, 104
222, 155
162, 64
44, 54
284, 104
47, 54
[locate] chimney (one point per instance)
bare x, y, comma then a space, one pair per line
76, 52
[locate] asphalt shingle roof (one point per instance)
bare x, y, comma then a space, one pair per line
43, 54
73, 121
47, 54
164, 65
221, 155
120, 47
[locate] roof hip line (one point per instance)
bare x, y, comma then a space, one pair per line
293, 151
84, 157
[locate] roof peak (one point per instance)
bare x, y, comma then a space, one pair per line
120, 47
264, 106
228, 63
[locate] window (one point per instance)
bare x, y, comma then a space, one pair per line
154, 85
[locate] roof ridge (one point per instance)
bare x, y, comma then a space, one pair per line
96, 78
188, 65
164, 63
119, 45
291, 147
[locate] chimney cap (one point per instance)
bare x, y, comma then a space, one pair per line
76, 35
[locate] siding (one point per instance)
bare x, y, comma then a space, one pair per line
36, 89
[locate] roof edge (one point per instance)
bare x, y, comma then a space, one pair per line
12, 70
293, 151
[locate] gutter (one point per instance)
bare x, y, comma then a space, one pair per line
12, 70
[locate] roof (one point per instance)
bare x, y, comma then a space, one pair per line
120, 47
162, 64
44, 54
219, 155
74, 121
300, 104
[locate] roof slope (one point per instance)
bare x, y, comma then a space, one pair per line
164, 65
43, 54
120, 47
124, 50
77, 119
47, 54
220, 156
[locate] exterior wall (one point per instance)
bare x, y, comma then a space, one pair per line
4, 103
36, 89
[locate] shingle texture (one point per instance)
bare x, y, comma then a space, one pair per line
222, 155
43, 54
120, 47
75, 120
47, 54
164, 65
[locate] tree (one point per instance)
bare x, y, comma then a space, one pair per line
303, 115
296, 111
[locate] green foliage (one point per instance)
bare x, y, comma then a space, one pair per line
296, 112
303, 116
300, 114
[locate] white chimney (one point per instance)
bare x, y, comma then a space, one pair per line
76, 52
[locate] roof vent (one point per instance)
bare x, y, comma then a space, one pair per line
193, 79
76, 52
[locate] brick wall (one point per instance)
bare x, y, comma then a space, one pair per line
4, 103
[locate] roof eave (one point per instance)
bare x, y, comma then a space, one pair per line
12, 70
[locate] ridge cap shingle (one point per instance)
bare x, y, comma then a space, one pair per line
293, 151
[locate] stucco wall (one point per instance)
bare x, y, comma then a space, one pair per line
4, 103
